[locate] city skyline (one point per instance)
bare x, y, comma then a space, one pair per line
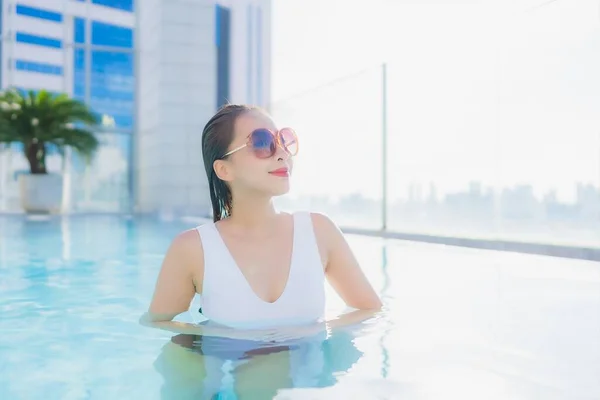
495, 91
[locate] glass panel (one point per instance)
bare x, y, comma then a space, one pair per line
79, 30
112, 87
548, 97
39, 67
103, 185
38, 40
14, 163
223, 43
338, 168
79, 74
38, 13
104, 34
501, 140
125, 5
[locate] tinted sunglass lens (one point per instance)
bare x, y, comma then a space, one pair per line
289, 140
263, 143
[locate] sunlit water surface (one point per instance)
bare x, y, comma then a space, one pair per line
460, 324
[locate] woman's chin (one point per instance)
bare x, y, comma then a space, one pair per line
280, 190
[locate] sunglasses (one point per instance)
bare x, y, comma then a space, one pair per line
264, 142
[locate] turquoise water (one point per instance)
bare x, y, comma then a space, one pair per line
461, 323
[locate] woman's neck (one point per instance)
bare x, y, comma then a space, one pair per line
252, 212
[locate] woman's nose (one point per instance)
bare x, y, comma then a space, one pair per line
282, 154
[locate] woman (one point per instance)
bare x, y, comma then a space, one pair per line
260, 273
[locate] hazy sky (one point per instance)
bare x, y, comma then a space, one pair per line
500, 91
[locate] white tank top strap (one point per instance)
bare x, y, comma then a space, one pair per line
306, 248
218, 262
210, 242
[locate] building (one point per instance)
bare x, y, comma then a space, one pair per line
193, 57
156, 70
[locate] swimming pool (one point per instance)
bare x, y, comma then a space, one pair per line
461, 323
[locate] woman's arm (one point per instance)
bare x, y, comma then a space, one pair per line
351, 318
175, 286
342, 269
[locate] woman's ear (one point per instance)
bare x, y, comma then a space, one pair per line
223, 170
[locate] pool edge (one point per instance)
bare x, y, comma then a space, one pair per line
554, 250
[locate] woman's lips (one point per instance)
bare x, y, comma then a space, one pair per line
282, 172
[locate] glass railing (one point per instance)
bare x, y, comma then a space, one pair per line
99, 186
338, 168
486, 137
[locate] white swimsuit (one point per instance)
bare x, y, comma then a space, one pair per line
228, 299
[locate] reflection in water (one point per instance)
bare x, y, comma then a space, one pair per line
65, 234
196, 367
385, 362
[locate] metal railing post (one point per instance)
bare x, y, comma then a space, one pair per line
384, 166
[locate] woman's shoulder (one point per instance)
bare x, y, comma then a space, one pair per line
327, 233
187, 252
187, 245
323, 224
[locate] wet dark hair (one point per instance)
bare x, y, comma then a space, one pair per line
216, 138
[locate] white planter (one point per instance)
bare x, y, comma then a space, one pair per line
41, 193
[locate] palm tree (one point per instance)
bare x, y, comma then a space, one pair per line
42, 121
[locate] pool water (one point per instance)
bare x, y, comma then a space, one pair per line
460, 323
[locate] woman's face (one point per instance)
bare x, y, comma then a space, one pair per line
270, 176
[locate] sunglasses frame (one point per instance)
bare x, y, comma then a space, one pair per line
276, 139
